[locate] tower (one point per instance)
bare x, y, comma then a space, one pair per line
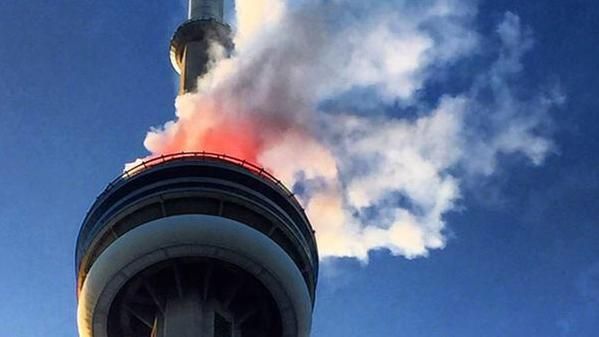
196, 244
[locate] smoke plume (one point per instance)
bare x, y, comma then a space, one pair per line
338, 99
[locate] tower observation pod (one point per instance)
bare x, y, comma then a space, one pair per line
196, 244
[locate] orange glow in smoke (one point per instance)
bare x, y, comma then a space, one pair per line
207, 125
237, 139
233, 138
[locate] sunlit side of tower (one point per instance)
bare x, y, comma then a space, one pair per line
196, 244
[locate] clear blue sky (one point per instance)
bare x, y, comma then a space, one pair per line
81, 82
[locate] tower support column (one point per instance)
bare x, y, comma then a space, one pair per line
185, 316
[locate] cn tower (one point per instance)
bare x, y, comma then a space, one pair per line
196, 244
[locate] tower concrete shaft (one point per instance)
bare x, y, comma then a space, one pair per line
198, 39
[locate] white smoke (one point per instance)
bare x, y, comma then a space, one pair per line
315, 82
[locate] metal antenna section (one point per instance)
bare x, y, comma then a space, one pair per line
206, 10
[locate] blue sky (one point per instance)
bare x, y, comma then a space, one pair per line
81, 82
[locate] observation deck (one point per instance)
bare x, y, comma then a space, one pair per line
191, 216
